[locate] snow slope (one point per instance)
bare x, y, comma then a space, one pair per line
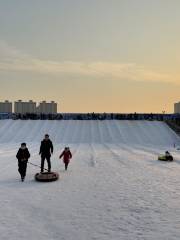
127, 132
114, 188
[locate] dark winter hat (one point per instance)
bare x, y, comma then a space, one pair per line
23, 144
46, 135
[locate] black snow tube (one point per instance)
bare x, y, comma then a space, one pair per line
165, 158
46, 176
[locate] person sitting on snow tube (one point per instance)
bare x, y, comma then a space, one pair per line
166, 157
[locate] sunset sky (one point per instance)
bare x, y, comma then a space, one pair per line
91, 55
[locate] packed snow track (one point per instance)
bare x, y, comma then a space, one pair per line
114, 188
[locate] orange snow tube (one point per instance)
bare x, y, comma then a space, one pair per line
46, 176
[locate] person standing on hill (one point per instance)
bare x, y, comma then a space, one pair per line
67, 155
22, 155
46, 149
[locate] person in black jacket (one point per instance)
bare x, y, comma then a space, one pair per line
22, 155
46, 149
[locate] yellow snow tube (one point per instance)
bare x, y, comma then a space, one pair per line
165, 158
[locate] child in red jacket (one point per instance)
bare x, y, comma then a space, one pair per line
67, 155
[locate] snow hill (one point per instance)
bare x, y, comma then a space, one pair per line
71, 131
114, 188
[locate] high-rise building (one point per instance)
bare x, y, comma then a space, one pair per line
177, 107
6, 107
47, 108
25, 107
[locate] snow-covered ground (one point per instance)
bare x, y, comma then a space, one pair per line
114, 188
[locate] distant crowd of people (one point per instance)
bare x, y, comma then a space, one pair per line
46, 150
93, 116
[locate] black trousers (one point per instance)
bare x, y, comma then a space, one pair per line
48, 162
22, 166
66, 163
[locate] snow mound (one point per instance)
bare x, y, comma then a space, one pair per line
115, 188
72, 131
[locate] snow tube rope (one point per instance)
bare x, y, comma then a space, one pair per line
46, 176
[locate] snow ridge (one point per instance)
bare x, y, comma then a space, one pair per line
114, 187
74, 131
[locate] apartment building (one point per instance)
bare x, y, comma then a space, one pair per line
6, 107
24, 107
